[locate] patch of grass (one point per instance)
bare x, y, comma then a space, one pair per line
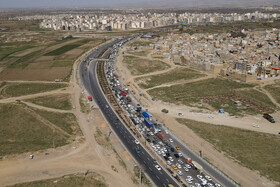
62, 50
274, 90
258, 99
14, 89
191, 93
65, 121
68, 47
255, 150
140, 43
61, 101
73, 180
232, 109
139, 53
21, 132
171, 76
138, 66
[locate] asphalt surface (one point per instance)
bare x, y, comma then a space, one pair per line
90, 82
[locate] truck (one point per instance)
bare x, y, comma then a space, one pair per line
197, 166
161, 136
146, 115
89, 98
148, 123
269, 118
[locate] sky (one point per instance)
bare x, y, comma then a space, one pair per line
127, 3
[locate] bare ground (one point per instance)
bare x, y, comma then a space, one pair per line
81, 155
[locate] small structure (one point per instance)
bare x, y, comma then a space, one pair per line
221, 111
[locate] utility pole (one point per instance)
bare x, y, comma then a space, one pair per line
140, 177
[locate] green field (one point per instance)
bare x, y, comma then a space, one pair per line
22, 132
139, 66
255, 150
274, 90
140, 43
191, 93
66, 121
73, 180
171, 76
66, 48
19, 89
61, 101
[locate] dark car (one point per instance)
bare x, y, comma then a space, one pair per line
165, 157
148, 140
269, 118
176, 155
172, 149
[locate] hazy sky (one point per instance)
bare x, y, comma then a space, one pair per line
127, 3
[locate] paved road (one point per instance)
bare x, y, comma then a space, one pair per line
225, 181
90, 82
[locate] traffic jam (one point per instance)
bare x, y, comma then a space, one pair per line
154, 133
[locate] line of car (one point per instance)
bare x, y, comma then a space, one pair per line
162, 148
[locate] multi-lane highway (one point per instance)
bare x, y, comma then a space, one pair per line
87, 74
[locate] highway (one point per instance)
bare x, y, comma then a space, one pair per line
88, 77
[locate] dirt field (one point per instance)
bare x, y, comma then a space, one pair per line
83, 154
240, 174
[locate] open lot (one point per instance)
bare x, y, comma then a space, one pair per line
191, 93
61, 101
255, 150
74, 180
65, 121
139, 53
21, 131
143, 43
19, 89
214, 94
139, 66
171, 76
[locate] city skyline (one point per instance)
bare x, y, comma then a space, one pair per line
130, 4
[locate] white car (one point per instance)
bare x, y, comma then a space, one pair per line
136, 141
208, 178
199, 177
178, 165
189, 177
163, 154
166, 131
169, 163
188, 181
197, 184
180, 161
170, 140
218, 185
157, 166
210, 185
159, 152
186, 169
179, 172
171, 159
180, 154
188, 166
